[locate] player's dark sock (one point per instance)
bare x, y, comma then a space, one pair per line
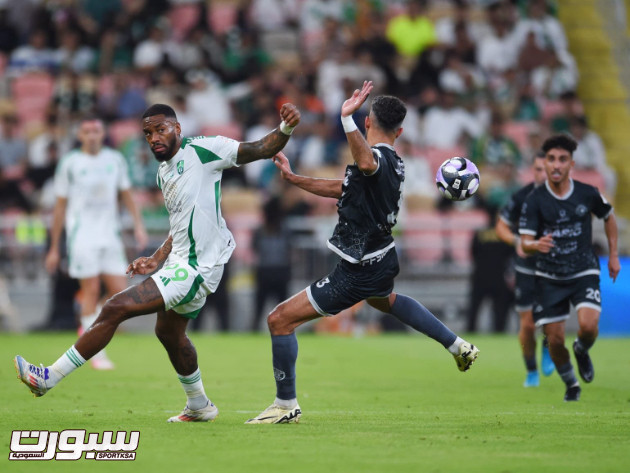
530, 363
285, 350
414, 314
583, 346
567, 374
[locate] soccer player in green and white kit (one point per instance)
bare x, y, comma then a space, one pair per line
192, 257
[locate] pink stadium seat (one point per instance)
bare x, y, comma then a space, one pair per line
229, 130
32, 93
437, 156
222, 16
519, 132
428, 234
121, 130
550, 109
183, 18
589, 176
423, 237
242, 226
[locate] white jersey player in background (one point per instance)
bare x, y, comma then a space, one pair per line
191, 258
88, 183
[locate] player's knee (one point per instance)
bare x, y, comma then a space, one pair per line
555, 340
527, 324
162, 333
589, 329
114, 310
275, 319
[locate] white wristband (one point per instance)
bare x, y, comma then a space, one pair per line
286, 129
348, 124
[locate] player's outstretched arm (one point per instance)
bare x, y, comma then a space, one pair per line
504, 232
359, 147
274, 141
148, 265
140, 234
59, 214
542, 245
610, 227
314, 185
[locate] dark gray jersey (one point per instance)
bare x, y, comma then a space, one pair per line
568, 220
368, 207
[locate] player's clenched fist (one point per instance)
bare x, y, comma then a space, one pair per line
290, 114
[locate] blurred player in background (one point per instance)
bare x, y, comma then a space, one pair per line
369, 198
556, 224
192, 257
507, 230
88, 183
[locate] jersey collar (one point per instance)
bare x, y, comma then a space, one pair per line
556, 196
386, 145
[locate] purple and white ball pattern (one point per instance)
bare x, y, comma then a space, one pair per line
457, 178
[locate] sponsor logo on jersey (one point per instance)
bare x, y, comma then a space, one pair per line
581, 210
180, 167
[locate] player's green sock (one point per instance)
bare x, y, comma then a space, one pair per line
66, 364
193, 387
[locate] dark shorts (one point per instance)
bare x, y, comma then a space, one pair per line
555, 297
524, 291
350, 283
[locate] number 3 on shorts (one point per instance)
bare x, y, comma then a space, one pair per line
181, 274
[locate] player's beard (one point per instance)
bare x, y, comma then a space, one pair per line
165, 154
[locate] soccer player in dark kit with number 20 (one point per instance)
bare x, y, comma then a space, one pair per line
369, 198
556, 223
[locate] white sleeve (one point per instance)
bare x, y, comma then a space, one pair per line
124, 182
62, 178
220, 148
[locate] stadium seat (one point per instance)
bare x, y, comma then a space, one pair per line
550, 109
589, 176
429, 235
230, 130
437, 156
519, 132
32, 93
122, 130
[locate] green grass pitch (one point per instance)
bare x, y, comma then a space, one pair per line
373, 404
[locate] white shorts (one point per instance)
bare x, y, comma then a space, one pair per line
87, 261
183, 288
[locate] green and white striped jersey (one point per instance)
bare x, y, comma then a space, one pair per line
91, 183
191, 184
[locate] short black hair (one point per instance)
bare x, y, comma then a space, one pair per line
562, 141
160, 109
389, 112
539, 154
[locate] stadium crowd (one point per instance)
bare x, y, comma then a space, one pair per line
488, 79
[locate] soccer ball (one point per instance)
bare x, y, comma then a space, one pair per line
457, 178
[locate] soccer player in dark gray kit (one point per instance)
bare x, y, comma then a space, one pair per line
525, 268
556, 223
369, 198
